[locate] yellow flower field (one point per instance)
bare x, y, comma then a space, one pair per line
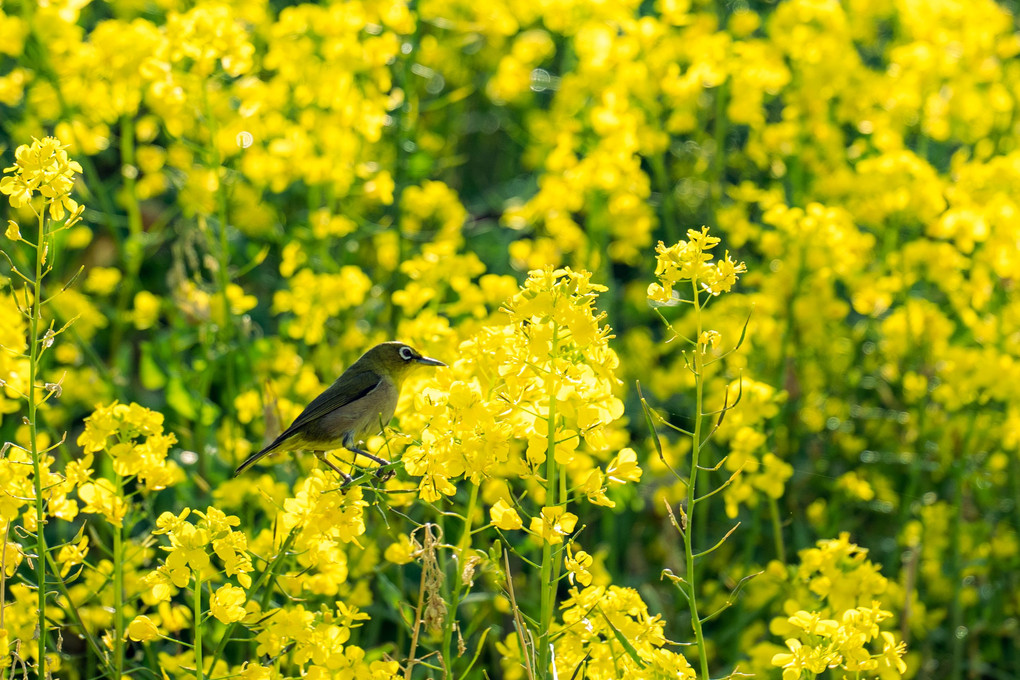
727, 294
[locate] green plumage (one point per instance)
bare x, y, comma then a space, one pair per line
360, 401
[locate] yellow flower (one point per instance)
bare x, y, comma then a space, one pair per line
227, 604
577, 565
146, 310
101, 497
813, 624
893, 652
71, 555
255, 671
690, 261
188, 549
12, 557
45, 168
594, 489
624, 468
553, 525
505, 517
400, 551
102, 280
13, 232
142, 629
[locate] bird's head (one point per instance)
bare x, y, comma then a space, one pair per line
396, 359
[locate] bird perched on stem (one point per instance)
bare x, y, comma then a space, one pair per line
359, 402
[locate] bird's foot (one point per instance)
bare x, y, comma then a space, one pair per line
321, 455
366, 454
382, 473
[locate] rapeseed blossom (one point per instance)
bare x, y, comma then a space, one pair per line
44, 169
138, 448
598, 619
550, 325
690, 261
846, 629
272, 190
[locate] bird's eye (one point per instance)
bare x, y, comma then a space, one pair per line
406, 353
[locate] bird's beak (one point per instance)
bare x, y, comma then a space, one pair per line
429, 362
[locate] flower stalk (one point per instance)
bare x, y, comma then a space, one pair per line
42, 168
692, 484
689, 262
549, 580
36, 350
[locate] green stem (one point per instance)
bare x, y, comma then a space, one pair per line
462, 546
40, 510
548, 601
777, 530
118, 590
958, 478
699, 383
198, 626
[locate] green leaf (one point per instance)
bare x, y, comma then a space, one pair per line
627, 646
149, 372
180, 400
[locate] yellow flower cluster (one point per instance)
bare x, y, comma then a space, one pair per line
840, 644
18, 499
609, 633
320, 644
405, 164
192, 546
690, 261
42, 168
846, 619
324, 520
138, 446
550, 344
313, 299
762, 474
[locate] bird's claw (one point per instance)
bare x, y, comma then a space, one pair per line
384, 473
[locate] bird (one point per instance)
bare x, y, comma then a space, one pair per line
361, 401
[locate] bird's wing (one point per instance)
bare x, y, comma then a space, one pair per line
358, 385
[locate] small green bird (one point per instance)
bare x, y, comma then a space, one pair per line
361, 401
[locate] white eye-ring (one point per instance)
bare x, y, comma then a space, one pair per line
406, 353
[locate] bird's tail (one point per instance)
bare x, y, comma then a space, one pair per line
255, 457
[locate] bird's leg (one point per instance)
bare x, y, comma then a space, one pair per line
321, 455
352, 447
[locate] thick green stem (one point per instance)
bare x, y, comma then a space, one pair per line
548, 601
118, 590
199, 673
777, 530
699, 382
36, 349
